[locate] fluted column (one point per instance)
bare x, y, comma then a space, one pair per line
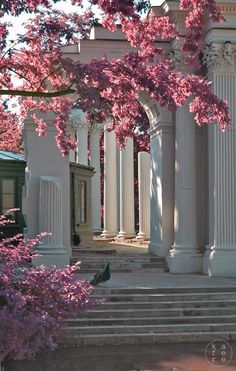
53, 166
82, 144
127, 191
52, 250
144, 195
220, 256
185, 256
110, 186
96, 179
162, 140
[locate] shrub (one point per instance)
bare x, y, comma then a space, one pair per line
34, 301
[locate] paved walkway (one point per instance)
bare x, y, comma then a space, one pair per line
164, 357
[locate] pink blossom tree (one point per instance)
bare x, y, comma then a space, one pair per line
104, 89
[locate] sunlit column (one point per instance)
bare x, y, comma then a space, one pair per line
144, 195
127, 191
110, 186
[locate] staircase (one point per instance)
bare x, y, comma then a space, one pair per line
149, 313
143, 316
123, 263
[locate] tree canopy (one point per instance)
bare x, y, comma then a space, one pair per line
33, 69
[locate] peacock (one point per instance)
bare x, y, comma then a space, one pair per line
102, 275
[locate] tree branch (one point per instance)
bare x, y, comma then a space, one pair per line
27, 93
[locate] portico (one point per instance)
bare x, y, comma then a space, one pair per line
188, 208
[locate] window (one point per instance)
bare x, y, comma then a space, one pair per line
7, 195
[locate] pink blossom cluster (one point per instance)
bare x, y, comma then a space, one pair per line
34, 301
104, 89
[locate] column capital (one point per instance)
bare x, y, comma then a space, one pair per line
178, 59
96, 128
166, 127
220, 57
77, 125
78, 118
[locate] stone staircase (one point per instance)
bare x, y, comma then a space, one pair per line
95, 259
154, 315
145, 305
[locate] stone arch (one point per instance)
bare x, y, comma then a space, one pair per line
150, 107
155, 113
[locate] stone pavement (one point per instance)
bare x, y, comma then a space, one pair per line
164, 357
162, 280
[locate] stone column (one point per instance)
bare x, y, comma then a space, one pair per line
96, 179
220, 255
110, 186
82, 144
185, 256
144, 195
52, 250
162, 140
127, 191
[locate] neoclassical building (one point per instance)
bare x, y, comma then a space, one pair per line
188, 206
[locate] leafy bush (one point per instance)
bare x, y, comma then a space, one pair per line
34, 301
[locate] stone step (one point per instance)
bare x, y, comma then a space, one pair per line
149, 321
165, 312
221, 296
162, 290
146, 338
139, 265
125, 270
168, 304
174, 328
118, 259
92, 251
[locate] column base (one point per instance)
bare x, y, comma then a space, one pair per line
96, 232
159, 250
50, 256
184, 262
106, 234
125, 235
220, 262
143, 236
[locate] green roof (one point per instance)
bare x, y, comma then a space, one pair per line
5, 155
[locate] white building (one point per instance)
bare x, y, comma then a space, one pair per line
193, 170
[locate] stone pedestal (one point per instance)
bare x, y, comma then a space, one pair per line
220, 255
45, 160
96, 180
110, 186
162, 138
185, 256
144, 195
127, 191
52, 250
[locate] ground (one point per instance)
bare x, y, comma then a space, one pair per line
164, 357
